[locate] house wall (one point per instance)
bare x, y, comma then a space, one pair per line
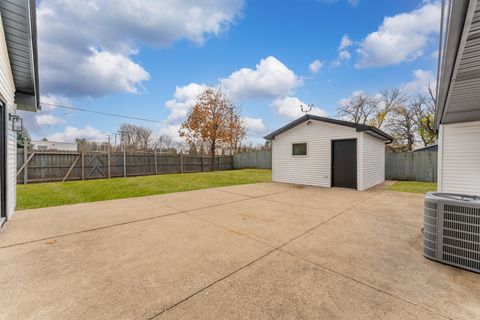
459, 158
7, 93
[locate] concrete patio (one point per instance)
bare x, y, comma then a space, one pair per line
263, 251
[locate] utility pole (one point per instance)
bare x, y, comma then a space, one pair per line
122, 141
109, 138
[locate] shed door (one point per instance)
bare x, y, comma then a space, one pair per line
344, 163
3, 163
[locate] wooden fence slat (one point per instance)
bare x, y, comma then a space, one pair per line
413, 166
83, 166
25, 163
71, 168
57, 166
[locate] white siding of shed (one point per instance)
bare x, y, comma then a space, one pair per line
372, 161
315, 168
7, 92
459, 158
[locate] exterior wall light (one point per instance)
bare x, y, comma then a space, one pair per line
17, 122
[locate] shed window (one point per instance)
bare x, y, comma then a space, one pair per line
299, 149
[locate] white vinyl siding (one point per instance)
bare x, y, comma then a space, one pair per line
314, 168
459, 158
372, 162
7, 92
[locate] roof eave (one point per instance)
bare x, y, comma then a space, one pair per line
30, 101
358, 127
457, 16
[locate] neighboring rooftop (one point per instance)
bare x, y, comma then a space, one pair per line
19, 24
359, 127
433, 147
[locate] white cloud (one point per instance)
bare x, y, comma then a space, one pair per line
48, 120
254, 125
420, 82
345, 43
35, 122
71, 133
171, 130
353, 3
270, 78
315, 66
355, 94
344, 55
289, 107
335, 63
183, 101
48, 100
83, 49
400, 38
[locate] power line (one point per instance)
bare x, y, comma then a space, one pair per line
126, 116
104, 113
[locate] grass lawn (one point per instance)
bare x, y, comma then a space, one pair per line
413, 186
59, 193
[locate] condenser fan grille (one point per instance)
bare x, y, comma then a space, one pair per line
452, 230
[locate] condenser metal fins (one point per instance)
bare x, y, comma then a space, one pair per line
452, 229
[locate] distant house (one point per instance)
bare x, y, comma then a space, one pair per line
42, 145
326, 152
433, 147
18, 89
458, 100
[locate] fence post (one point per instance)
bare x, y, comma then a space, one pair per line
181, 162
108, 162
156, 164
201, 161
124, 163
25, 156
220, 163
83, 166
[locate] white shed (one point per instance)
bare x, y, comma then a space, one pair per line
18, 89
327, 152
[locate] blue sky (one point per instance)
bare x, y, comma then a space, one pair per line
149, 58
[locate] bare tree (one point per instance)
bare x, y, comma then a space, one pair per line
403, 128
359, 109
162, 142
389, 100
423, 107
135, 138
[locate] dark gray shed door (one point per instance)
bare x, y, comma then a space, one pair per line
344, 163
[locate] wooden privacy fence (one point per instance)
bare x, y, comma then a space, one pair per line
412, 166
253, 159
46, 166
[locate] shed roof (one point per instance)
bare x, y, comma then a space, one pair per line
375, 132
19, 24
